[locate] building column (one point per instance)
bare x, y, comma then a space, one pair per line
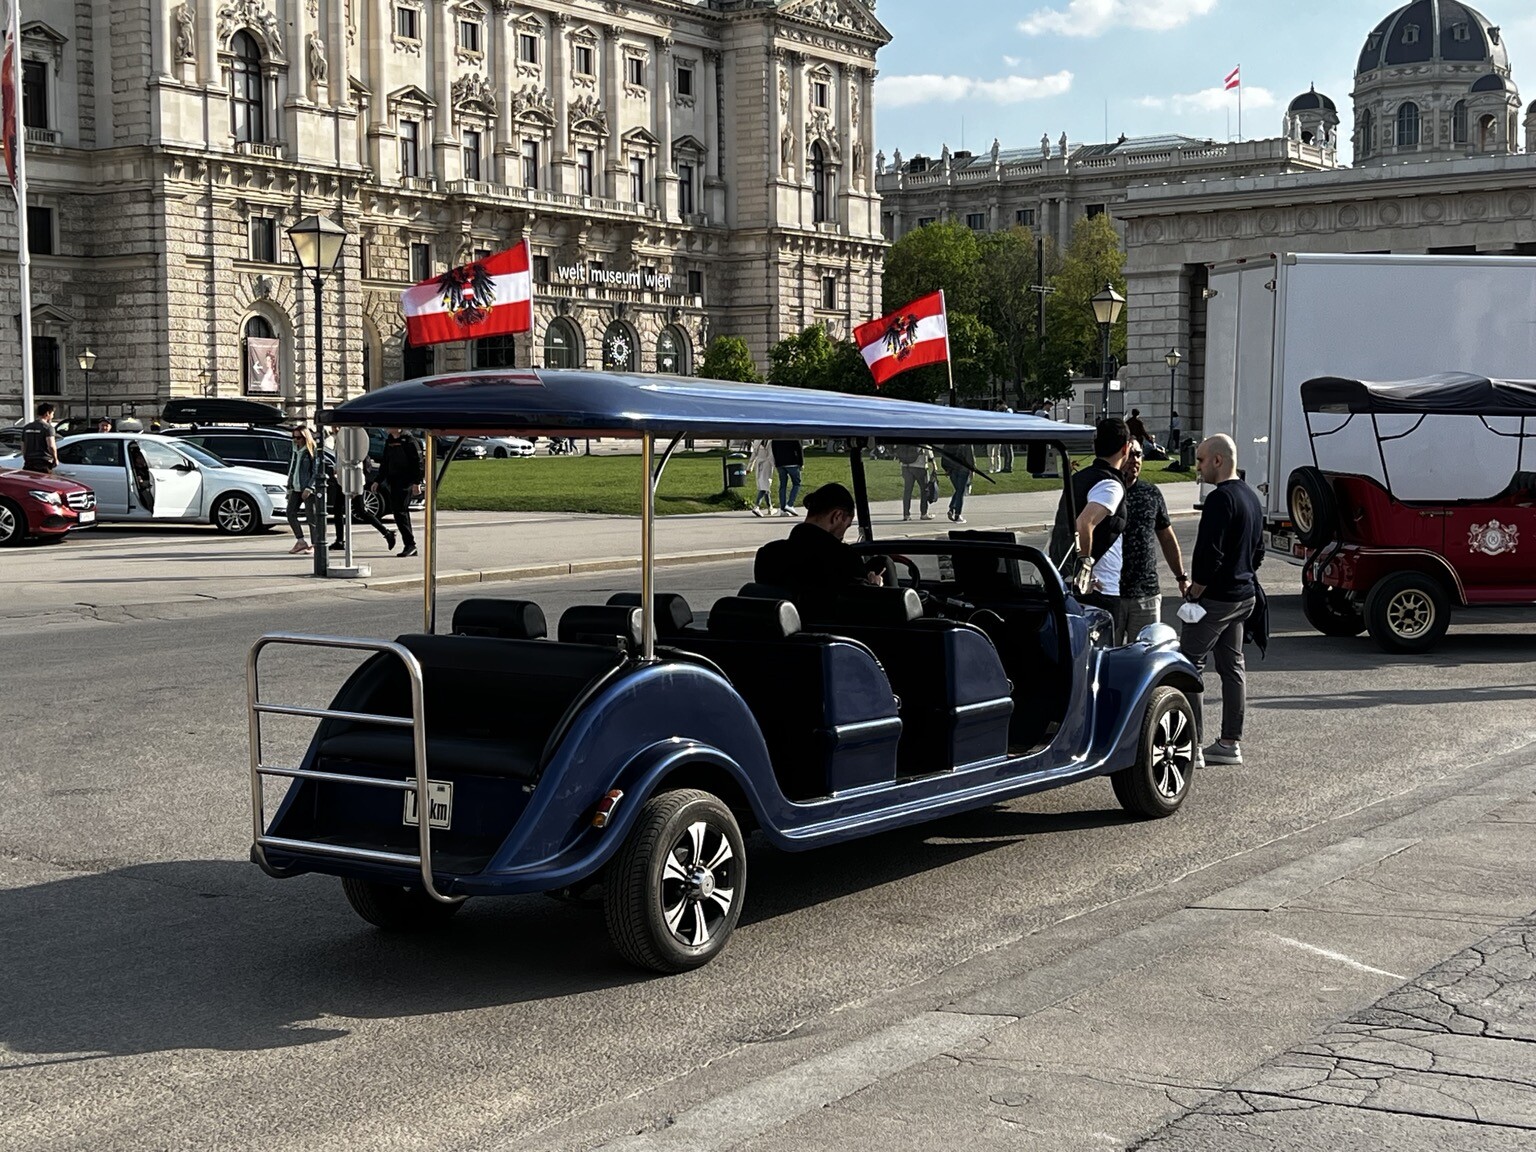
336, 55
208, 70
613, 90
712, 174
661, 117
844, 170
441, 137
557, 67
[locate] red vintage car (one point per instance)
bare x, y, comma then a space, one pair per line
42, 506
1399, 567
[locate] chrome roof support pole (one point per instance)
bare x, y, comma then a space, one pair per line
860, 490
429, 540
648, 480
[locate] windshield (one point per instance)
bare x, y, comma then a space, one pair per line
201, 455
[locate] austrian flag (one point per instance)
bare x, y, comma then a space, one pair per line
491, 297
910, 337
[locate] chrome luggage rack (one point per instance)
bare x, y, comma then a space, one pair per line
256, 708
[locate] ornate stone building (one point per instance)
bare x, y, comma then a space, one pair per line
680, 168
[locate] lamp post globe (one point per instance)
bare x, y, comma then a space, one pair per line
317, 243
1106, 310
87, 362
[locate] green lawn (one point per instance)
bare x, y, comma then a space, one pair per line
692, 483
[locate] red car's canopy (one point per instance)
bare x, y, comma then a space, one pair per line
1448, 394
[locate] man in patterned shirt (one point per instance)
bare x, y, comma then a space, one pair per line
1147, 529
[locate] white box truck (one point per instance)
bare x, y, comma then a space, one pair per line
1277, 320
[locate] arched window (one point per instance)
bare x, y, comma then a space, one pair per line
1459, 122
818, 183
1408, 125
263, 359
1367, 133
672, 352
247, 108
562, 345
495, 352
1487, 133
619, 347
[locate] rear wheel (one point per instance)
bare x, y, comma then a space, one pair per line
13, 524
501, 453
1408, 612
1312, 507
1331, 611
1156, 785
395, 908
235, 514
373, 503
674, 893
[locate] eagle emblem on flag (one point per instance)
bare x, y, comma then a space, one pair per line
468, 293
901, 335
1493, 538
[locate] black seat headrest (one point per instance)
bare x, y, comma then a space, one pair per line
869, 604
507, 619
766, 591
751, 618
600, 624
672, 612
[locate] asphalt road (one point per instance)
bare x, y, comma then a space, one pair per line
157, 991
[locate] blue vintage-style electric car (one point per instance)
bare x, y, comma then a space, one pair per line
640, 744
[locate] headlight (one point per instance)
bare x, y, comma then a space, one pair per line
272, 489
46, 497
1157, 636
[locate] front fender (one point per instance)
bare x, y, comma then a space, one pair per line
1127, 678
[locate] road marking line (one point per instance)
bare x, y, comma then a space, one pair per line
1339, 956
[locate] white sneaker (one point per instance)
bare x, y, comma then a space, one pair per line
756, 511
788, 512
959, 519
1219, 753
926, 516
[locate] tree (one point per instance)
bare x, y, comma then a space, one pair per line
1094, 260
1011, 308
728, 358
927, 259
814, 360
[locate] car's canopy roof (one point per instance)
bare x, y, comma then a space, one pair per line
580, 403
1448, 394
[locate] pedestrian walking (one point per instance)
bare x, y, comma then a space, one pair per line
358, 508
959, 465
788, 458
1137, 429
39, 441
1093, 519
1148, 530
402, 470
917, 469
1224, 583
303, 474
761, 463
1175, 428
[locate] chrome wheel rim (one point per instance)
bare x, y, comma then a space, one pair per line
1173, 753
698, 884
1301, 509
234, 515
8, 527
1411, 614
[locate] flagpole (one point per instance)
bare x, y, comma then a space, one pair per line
1239, 103
949, 361
23, 254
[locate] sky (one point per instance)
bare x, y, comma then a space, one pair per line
973, 70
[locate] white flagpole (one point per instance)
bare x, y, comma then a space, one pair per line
23, 255
1239, 103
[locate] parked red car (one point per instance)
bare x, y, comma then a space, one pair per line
47, 507
1396, 567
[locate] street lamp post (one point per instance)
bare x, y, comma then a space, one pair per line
87, 362
317, 242
1106, 310
1172, 360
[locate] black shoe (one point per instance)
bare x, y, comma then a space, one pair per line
389, 540
338, 546
408, 550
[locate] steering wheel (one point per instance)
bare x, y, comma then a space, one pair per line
912, 573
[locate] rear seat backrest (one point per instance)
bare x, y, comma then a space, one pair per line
601, 624
672, 612
749, 618
507, 619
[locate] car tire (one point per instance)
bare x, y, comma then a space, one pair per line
1313, 508
1407, 613
673, 894
1331, 612
236, 514
396, 908
1157, 784
13, 524
374, 503
501, 453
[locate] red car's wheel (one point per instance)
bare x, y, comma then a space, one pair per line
1407, 612
1313, 509
1331, 612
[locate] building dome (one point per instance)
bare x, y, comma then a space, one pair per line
1434, 31
1493, 82
1312, 101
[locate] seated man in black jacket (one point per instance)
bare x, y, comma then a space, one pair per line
813, 560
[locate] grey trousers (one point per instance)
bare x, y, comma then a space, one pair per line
1221, 633
1131, 613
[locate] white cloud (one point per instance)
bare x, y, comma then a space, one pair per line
1011, 61
904, 91
1214, 100
1095, 17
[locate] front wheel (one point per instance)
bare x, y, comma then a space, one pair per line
1331, 612
501, 453
395, 908
1156, 785
673, 894
1408, 612
13, 524
236, 515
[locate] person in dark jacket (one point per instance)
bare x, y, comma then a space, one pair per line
959, 462
402, 471
1097, 493
813, 560
359, 508
1224, 581
39, 443
788, 458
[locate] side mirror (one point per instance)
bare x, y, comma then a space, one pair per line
186, 466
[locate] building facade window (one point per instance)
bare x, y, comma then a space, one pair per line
976, 221
684, 81
417, 362
619, 347
261, 233
829, 293
1094, 210
410, 149
496, 352
530, 163
637, 179
1461, 32
583, 61
47, 366
562, 345
586, 161
924, 221
541, 269
34, 94
469, 36
421, 262
247, 106
1366, 130
1459, 122
673, 352
685, 189
634, 71
1487, 132
261, 374
40, 240
1024, 217
407, 22
1408, 125
527, 47
1410, 33
818, 183
695, 282
820, 93
472, 146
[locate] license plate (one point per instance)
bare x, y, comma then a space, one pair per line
88, 517
439, 805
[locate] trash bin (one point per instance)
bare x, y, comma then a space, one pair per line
734, 467
1187, 453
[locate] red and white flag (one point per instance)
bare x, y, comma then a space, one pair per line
491, 297
1234, 78
910, 337
10, 98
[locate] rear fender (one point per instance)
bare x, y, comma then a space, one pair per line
1358, 570
1126, 680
